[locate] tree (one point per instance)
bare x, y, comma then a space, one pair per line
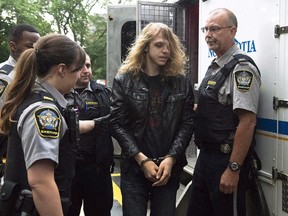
73, 18
19, 11
96, 45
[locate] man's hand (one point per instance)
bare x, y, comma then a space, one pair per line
150, 170
164, 171
229, 181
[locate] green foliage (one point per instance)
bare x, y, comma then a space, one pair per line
73, 18
15, 12
96, 46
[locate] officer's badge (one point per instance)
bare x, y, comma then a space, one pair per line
243, 80
211, 82
3, 87
48, 122
225, 148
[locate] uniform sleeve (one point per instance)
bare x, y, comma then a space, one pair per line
246, 87
41, 128
4, 82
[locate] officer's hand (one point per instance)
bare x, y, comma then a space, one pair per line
101, 124
229, 181
150, 170
164, 171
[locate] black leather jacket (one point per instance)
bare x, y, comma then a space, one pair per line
129, 107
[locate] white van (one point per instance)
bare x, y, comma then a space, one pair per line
262, 33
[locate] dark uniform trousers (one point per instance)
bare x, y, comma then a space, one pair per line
206, 198
92, 184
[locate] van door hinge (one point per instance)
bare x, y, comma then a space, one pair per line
277, 175
280, 30
279, 103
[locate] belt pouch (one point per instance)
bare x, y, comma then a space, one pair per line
8, 197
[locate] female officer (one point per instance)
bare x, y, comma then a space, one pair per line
40, 155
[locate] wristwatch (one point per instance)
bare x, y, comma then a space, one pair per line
234, 166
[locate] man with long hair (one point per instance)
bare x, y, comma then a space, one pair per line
152, 119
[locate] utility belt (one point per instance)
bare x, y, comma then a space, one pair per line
16, 201
224, 147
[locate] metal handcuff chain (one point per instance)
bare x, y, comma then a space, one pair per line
157, 161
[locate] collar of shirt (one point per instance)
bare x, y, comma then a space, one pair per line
88, 88
227, 56
11, 61
54, 92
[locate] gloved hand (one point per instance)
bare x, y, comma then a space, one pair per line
102, 124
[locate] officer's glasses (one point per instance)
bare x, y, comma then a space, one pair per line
213, 29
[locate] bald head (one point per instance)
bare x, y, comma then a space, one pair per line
220, 29
228, 15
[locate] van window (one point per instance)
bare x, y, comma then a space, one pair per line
128, 35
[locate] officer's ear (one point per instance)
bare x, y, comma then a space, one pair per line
233, 31
12, 46
60, 70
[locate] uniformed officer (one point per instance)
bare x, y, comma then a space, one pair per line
226, 119
4, 81
92, 183
21, 37
40, 154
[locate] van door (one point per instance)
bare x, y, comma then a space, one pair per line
121, 32
280, 172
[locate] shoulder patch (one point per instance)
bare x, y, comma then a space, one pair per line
243, 80
3, 86
48, 122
